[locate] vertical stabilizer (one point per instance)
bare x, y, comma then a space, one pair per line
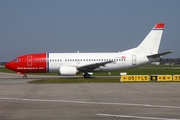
150, 45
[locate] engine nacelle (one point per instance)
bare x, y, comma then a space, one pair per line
67, 70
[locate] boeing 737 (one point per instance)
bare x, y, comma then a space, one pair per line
74, 63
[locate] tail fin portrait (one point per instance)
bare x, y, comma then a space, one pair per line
150, 45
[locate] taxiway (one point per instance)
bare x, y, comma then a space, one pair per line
20, 100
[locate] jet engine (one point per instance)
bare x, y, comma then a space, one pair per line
67, 70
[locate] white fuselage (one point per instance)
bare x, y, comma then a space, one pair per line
120, 61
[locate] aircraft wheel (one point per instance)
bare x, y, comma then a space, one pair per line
86, 75
25, 76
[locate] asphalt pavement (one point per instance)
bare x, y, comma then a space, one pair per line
20, 100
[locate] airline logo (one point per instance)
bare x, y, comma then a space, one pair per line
123, 58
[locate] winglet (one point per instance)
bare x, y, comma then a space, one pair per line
159, 26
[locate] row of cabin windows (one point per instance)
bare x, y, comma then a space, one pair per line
39, 60
70, 60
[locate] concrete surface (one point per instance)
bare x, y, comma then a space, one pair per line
20, 100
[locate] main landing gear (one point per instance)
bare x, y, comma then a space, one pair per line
86, 75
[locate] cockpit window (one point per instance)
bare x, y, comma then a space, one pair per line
17, 60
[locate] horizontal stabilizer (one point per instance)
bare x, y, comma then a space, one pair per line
159, 54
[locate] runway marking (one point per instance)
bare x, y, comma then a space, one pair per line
83, 102
136, 117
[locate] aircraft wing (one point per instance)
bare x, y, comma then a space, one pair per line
159, 54
91, 67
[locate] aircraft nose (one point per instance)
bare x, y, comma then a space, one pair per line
8, 65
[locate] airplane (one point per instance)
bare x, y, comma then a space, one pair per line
67, 64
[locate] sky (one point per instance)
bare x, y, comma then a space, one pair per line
38, 26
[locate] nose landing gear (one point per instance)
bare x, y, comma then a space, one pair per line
22, 73
24, 76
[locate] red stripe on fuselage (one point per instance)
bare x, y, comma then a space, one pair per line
30, 63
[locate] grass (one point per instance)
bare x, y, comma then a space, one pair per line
78, 80
145, 70
3, 69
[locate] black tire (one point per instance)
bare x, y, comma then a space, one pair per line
25, 76
86, 75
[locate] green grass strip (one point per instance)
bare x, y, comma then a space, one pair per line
78, 80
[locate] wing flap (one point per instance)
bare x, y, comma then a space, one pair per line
91, 67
